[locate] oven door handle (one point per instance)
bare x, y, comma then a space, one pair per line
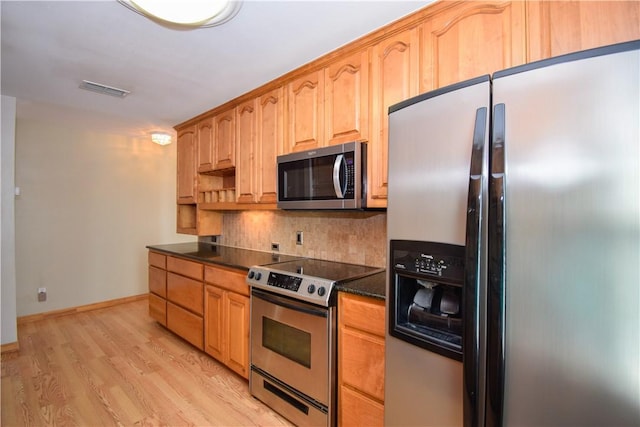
290, 304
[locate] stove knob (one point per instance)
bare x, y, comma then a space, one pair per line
250, 274
258, 275
322, 291
311, 289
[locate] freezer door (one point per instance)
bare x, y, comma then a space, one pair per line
571, 296
431, 140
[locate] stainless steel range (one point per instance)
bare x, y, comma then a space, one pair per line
293, 336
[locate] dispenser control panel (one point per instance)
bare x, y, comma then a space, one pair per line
434, 263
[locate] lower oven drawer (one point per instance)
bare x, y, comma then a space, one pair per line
287, 402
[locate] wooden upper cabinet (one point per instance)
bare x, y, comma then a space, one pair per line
469, 40
559, 27
225, 140
270, 143
347, 99
305, 97
205, 145
186, 165
394, 78
246, 114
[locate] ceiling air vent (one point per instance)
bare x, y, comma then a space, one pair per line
104, 89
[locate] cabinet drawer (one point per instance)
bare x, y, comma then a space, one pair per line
186, 268
158, 260
362, 362
185, 292
158, 281
366, 314
357, 409
158, 309
185, 324
231, 280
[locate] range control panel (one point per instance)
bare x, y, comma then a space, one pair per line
307, 288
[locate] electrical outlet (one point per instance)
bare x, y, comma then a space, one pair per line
42, 294
298, 237
275, 247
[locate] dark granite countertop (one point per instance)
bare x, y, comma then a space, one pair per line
222, 255
370, 286
373, 286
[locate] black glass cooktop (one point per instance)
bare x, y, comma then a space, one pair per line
334, 271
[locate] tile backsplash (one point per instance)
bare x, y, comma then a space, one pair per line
353, 237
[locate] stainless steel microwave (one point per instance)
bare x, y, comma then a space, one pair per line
325, 178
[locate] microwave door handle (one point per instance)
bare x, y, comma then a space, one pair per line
336, 176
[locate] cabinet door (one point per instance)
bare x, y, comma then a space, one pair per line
186, 168
246, 145
470, 40
362, 362
237, 328
157, 260
558, 27
270, 143
158, 281
394, 77
205, 145
347, 99
214, 322
225, 140
361, 349
357, 409
158, 309
185, 267
305, 98
185, 324
185, 292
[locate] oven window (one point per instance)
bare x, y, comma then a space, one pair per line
292, 343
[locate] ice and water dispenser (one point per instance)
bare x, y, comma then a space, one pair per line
426, 295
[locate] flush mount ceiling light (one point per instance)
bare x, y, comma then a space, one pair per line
161, 138
186, 13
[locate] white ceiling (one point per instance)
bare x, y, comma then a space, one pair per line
49, 47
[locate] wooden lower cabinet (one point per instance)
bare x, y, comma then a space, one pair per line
185, 292
185, 324
357, 409
226, 328
158, 308
176, 296
158, 287
207, 306
361, 327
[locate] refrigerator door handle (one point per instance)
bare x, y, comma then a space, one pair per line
496, 274
472, 279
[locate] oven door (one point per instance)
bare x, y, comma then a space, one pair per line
290, 341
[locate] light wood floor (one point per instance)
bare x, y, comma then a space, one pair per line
116, 366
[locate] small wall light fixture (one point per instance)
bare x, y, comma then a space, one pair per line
161, 138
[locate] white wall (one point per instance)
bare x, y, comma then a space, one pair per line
91, 200
9, 333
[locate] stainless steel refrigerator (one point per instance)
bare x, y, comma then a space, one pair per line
513, 291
